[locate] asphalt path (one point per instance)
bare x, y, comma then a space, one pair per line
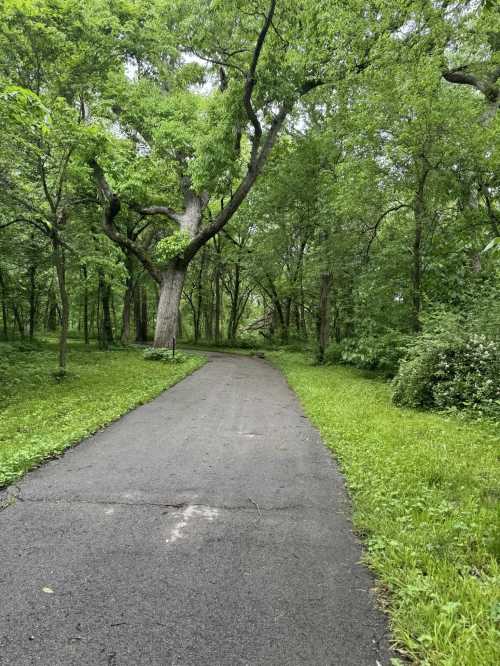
208, 527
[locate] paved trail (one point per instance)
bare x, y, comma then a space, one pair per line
209, 527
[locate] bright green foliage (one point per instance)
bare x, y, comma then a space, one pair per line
40, 416
165, 355
460, 372
172, 246
383, 352
425, 492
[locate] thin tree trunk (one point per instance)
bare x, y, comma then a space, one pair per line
127, 304
60, 265
144, 315
296, 318
302, 310
179, 325
288, 305
127, 308
416, 278
52, 314
281, 321
107, 326
324, 314
199, 297
138, 314
32, 301
218, 300
5, 312
235, 296
86, 336
417, 274
18, 319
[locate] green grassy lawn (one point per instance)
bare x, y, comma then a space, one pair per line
40, 417
426, 492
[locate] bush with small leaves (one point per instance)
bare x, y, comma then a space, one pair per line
164, 354
459, 373
383, 352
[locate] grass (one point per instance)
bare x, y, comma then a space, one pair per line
426, 492
40, 416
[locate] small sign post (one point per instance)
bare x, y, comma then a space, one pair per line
173, 346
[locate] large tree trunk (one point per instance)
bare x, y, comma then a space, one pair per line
171, 286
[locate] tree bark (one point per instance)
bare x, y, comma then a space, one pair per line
5, 313
60, 264
172, 282
106, 327
52, 311
144, 315
199, 298
235, 297
417, 274
218, 301
86, 336
137, 314
126, 312
324, 314
127, 303
416, 277
32, 301
18, 319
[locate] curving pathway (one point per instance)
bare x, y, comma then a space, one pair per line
208, 527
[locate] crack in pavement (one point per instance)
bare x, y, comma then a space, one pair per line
161, 505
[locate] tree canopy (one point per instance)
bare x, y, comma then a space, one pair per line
319, 173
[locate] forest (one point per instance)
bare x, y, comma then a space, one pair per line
154, 186
313, 181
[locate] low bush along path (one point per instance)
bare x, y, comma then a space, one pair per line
209, 526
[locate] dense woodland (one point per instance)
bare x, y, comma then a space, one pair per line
317, 174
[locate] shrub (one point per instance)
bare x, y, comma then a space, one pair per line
164, 354
333, 353
451, 372
383, 352
245, 342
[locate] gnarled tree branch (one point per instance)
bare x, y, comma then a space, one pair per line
251, 81
111, 208
162, 210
